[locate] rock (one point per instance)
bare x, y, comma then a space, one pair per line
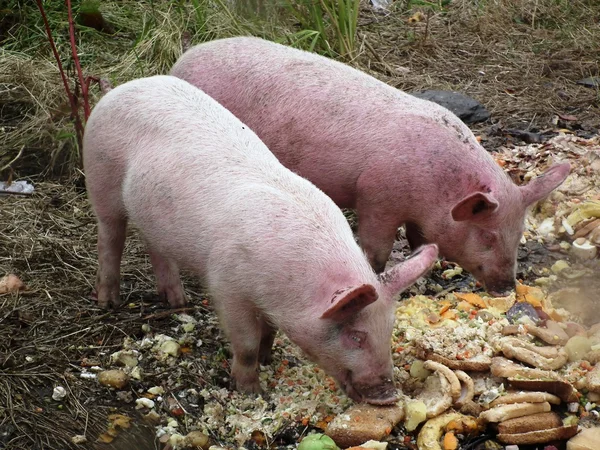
144, 403
591, 82
362, 422
113, 378
59, 393
10, 283
466, 108
79, 439
587, 439
127, 358
196, 439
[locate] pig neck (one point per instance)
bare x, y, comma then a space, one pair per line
339, 273
447, 185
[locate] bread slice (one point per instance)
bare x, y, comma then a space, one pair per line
479, 363
587, 439
539, 437
362, 422
526, 397
562, 389
593, 379
534, 422
505, 412
505, 368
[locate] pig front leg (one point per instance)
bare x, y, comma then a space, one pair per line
265, 353
414, 236
168, 281
244, 330
111, 241
376, 236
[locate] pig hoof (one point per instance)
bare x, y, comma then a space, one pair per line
178, 303
175, 298
249, 387
105, 301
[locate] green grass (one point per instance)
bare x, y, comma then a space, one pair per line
142, 38
145, 39
329, 26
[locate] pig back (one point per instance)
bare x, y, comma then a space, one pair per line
323, 119
199, 184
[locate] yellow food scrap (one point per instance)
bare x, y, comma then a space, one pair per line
530, 294
444, 306
583, 211
472, 298
450, 441
449, 315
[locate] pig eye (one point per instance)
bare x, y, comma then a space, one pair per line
356, 339
489, 239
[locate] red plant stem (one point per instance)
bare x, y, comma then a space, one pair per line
72, 99
84, 88
57, 57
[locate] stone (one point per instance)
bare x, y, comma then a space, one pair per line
591, 82
466, 108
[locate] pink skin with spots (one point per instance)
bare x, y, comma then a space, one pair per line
273, 251
398, 160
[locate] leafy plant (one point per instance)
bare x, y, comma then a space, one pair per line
329, 25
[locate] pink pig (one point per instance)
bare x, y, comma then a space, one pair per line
393, 157
272, 250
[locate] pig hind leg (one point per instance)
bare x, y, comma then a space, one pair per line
168, 281
111, 240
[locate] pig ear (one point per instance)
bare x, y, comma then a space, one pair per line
475, 207
540, 187
347, 302
404, 274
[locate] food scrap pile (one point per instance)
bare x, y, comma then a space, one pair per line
517, 370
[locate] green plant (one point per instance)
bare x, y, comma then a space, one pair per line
329, 25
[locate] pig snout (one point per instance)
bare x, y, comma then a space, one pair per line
377, 391
500, 289
499, 284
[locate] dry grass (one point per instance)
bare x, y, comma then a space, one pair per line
520, 58
46, 332
36, 114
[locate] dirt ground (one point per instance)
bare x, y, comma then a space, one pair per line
52, 334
